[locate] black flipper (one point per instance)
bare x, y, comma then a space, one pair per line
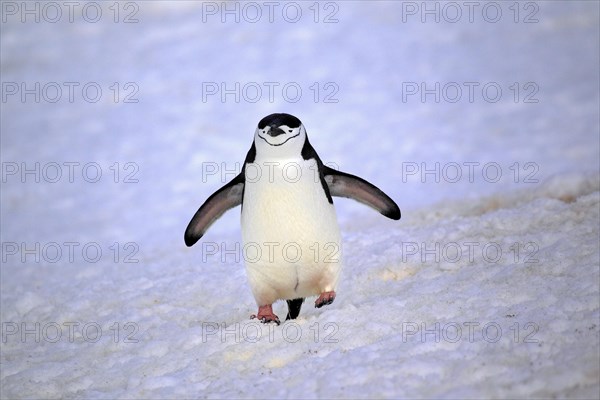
294, 308
342, 184
229, 196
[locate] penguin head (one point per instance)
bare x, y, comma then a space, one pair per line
279, 135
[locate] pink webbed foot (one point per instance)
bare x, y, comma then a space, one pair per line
265, 315
325, 299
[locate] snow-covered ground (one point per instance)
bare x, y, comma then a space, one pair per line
487, 287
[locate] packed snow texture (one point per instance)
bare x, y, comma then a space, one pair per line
487, 287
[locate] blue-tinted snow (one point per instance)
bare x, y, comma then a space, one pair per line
506, 328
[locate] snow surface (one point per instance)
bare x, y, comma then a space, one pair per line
508, 326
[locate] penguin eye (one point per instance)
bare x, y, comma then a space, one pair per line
290, 130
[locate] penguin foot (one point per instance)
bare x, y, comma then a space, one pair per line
325, 299
266, 315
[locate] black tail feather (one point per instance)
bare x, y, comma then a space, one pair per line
294, 308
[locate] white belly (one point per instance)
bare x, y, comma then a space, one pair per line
292, 245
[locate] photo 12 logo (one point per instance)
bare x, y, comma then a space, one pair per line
452, 12
51, 12
471, 252
469, 171
69, 252
69, 172
71, 331
471, 331
253, 92
469, 91
271, 252
69, 92
254, 332
289, 171
270, 11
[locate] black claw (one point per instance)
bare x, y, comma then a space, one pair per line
325, 302
264, 320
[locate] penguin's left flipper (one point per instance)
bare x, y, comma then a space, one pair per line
342, 184
227, 197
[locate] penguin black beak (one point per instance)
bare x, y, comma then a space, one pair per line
275, 131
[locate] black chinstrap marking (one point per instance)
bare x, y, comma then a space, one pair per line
280, 144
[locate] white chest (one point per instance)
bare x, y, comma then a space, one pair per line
284, 202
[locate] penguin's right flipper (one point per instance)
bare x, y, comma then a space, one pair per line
294, 308
227, 197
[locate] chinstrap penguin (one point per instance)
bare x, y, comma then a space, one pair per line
288, 215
